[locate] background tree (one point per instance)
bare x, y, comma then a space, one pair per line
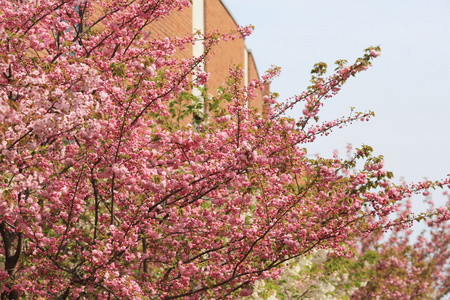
399, 266
104, 194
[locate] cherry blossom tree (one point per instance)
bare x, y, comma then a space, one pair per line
105, 194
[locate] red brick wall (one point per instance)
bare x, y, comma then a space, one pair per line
227, 53
177, 24
257, 103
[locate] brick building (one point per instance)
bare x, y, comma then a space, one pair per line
206, 16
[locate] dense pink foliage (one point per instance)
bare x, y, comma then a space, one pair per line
99, 196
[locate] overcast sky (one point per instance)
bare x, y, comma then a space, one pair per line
407, 87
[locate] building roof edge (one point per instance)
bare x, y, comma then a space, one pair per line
237, 24
229, 12
250, 53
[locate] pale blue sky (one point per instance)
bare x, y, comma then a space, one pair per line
407, 88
